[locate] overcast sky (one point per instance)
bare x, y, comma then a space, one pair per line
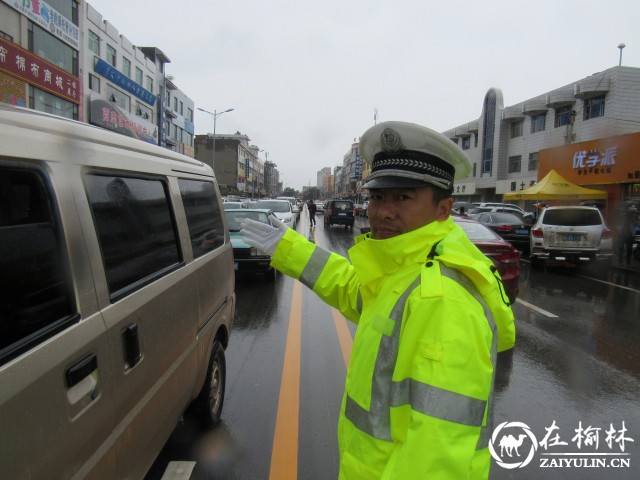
304, 77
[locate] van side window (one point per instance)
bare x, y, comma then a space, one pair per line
36, 300
203, 215
136, 230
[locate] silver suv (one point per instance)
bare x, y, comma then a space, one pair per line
570, 234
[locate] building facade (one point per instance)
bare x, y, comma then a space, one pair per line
511, 147
236, 164
62, 57
40, 49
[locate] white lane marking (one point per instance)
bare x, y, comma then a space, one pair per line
609, 283
537, 309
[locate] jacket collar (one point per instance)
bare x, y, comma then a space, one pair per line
373, 259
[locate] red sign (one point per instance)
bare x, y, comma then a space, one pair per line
26, 66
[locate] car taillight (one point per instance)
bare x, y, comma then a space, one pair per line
606, 233
505, 228
508, 257
537, 232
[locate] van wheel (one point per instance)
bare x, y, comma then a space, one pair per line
209, 402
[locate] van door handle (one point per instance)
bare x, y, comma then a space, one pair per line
131, 345
82, 369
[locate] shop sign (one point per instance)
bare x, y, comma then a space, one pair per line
13, 91
107, 115
120, 79
597, 162
22, 64
48, 18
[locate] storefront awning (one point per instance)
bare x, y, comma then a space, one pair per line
554, 187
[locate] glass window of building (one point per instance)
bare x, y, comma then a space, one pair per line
149, 83
594, 107
488, 135
175, 104
45, 102
111, 55
516, 129
119, 98
126, 66
45, 45
94, 83
533, 161
66, 8
138, 76
143, 111
563, 115
514, 163
181, 109
190, 114
94, 43
538, 123
466, 143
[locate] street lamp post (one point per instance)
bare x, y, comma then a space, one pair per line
621, 46
215, 114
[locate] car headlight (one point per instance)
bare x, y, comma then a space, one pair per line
287, 219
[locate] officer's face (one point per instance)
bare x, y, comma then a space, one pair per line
394, 211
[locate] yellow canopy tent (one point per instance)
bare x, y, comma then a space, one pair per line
554, 187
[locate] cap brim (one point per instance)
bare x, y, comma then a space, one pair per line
394, 182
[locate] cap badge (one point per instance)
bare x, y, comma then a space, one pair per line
390, 141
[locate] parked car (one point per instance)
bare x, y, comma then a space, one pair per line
319, 207
248, 259
509, 226
570, 234
504, 206
282, 209
339, 212
526, 217
232, 205
504, 256
116, 298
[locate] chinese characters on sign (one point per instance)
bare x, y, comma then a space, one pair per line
120, 79
594, 161
36, 71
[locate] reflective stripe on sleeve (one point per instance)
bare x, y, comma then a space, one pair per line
438, 403
314, 267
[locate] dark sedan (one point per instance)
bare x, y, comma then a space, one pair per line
504, 256
509, 226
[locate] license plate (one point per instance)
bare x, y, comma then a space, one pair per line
572, 238
342, 214
235, 266
521, 232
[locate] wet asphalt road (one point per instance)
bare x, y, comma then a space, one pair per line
575, 367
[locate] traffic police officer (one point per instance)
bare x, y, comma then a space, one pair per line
431, 312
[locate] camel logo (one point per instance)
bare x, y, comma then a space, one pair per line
512, 445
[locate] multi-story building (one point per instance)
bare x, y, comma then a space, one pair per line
236, 163
323, 182
62, 57
587, 131
271, 179
40, 47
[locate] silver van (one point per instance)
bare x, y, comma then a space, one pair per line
116, 298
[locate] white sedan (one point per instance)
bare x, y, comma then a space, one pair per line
281, 209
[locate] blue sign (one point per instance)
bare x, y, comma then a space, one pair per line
246, 169
120, 79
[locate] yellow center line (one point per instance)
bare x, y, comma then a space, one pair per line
284, 456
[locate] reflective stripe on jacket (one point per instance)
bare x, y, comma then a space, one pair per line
418, 394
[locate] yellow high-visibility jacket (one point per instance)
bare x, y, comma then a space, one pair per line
432, 315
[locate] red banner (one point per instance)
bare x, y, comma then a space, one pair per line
22, 64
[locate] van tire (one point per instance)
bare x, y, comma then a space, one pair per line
209, 403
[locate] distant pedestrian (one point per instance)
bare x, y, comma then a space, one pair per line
626, 233
312, 213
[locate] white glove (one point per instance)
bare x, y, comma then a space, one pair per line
262, 236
